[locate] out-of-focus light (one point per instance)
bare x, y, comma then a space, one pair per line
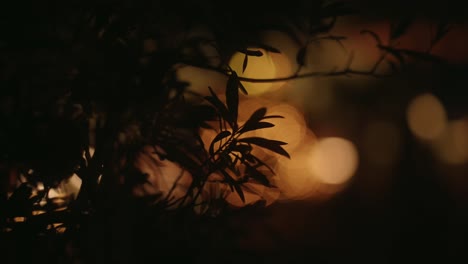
55, 193
267, 66
452, 146
207, 135
67, 188
60, 228
19, 219
249, 104
40, 186
333, 160
91, 151
295, 178
290, 129
381, 143
426, 117
38, 212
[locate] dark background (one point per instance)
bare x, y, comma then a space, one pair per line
420, 214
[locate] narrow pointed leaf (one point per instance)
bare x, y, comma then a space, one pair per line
273, 145
246, 61
232, 97
228, 179
255, 53
239, 191
272, 116
253, 119
242, 148
218, 137
242, 88
256, 175
260, 163
256, 126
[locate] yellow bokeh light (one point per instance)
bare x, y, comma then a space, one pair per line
333, 160
266, 66
295, 179
290, 129
426, 117
452, 146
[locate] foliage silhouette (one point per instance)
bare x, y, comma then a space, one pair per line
103, 75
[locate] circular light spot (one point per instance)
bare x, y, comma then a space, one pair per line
333, 160
295, 179
452, 145
259, 67
290, 129
426, 117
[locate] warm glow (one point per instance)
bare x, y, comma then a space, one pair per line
19, 219
295, 178
426, 117
381, 143
333, 160
38, 212
262, 67
40, 186
290, 129
452, 146
67, 188
207, 135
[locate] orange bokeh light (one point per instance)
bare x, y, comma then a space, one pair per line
426, 117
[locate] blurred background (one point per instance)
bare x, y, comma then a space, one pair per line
379, 166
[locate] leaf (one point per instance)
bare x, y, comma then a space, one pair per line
255, 53
254, 118
255, 126
300, 57
400, 28
220, 136
228, 179
257, 115
232, 98
242, 148
244, 65
260, 163
272, 116
273, 145
239, 191
256, 175
242, 88
218, 104
232, 167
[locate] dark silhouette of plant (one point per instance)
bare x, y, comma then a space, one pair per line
105, 76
